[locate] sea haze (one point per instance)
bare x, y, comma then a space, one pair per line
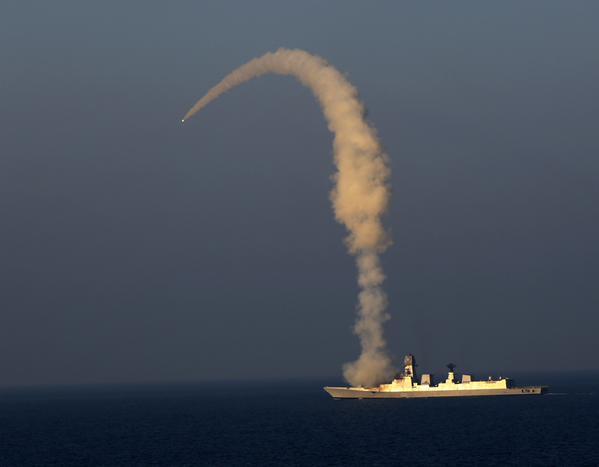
296, 423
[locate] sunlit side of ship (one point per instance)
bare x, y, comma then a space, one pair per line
405, 386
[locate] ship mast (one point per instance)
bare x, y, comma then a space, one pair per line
451, 374
409, 366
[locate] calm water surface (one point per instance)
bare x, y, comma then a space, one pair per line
295, 424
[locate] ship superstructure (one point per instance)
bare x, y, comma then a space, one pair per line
406, 386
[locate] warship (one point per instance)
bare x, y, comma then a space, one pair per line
406, 386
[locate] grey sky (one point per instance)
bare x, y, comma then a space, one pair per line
134, 248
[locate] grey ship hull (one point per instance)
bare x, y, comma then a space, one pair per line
355, 393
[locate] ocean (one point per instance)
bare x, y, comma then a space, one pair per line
295, 424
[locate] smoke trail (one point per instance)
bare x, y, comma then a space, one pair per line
360, 196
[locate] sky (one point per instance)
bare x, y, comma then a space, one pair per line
134, 248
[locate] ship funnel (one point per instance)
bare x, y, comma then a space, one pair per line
426, 380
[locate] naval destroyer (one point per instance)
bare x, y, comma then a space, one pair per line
406, 386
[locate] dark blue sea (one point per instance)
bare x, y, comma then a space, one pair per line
295, 423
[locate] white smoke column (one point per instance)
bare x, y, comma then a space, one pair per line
360, 196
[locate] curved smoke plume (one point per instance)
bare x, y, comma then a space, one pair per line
360, 196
